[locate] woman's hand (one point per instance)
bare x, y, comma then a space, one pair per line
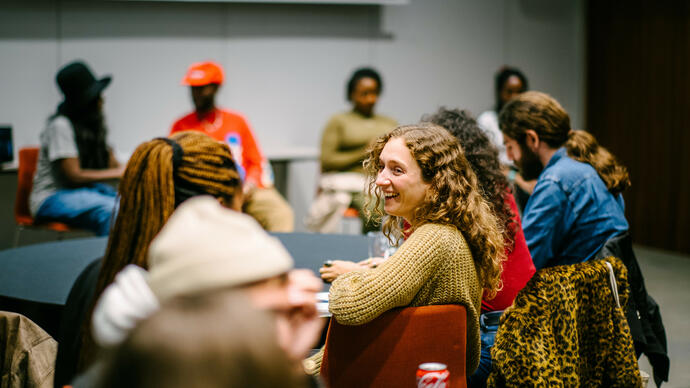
334, 268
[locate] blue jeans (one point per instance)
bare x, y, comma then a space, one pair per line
91, 207
487, 333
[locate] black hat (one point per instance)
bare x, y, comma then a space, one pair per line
79, 86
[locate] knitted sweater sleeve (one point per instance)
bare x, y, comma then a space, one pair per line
360, 296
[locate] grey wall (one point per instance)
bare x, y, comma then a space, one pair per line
286, 65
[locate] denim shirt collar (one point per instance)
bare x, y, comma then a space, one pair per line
556, 157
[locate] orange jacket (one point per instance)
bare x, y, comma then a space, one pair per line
232, 129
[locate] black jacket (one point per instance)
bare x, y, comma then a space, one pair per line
643, 315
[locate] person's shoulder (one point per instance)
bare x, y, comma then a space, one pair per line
487, 117
439, 232
59, 123
567, 169
233, 115
445, 240
57, 127
338, 120
342, 116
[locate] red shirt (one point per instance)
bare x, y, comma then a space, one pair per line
517, 269
232, 129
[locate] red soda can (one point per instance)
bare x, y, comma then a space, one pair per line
432, 375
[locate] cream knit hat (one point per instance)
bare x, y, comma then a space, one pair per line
205, 246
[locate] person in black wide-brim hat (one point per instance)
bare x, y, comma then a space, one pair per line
75, 157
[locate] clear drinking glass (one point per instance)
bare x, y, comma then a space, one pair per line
379, 246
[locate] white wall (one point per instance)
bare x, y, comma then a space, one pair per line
286, 65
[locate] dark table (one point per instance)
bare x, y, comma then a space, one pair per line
35, 280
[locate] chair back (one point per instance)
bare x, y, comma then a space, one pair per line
28, 159
387, 351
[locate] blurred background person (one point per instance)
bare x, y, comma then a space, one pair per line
262, 200
205, 247
160, 175
75, 157
455, 248
344, 144
508, 83
207, 340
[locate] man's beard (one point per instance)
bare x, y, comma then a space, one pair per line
203, 104
529, 164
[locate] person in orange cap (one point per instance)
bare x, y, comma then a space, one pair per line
262, 200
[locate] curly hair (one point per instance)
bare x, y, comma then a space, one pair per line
544, 115
483, 157
453, 197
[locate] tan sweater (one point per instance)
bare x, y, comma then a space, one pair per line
434, 266
346, 138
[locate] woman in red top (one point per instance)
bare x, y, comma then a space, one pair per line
518, 268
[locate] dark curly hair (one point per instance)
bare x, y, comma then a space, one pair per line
483, 157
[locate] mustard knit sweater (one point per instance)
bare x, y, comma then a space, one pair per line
434, 266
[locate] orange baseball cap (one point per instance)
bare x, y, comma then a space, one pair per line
203, 73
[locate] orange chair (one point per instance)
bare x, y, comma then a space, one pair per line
28, 159
387, 351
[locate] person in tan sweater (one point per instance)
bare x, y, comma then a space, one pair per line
344, 144
455, 248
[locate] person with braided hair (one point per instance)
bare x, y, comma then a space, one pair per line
160, 175
75, 159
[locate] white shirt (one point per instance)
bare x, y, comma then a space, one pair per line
488, 122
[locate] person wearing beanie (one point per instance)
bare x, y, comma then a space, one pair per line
262, 200
204, 248
161, 174
75, 158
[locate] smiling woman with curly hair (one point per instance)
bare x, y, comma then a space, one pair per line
455, 248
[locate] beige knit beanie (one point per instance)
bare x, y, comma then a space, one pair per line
204, 246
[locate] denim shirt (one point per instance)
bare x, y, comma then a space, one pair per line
570, 214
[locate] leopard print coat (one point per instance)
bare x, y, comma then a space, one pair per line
565, 330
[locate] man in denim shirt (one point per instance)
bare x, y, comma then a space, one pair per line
574, 208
